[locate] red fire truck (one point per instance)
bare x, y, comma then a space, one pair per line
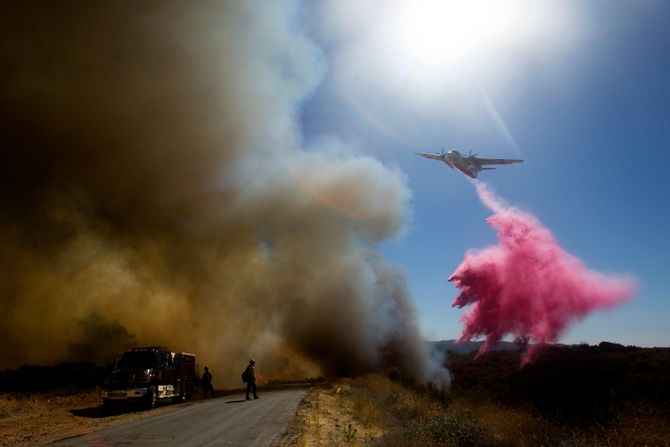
148, 375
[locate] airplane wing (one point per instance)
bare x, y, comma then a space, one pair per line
495, 161
431, 156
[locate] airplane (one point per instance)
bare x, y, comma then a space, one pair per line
469, 165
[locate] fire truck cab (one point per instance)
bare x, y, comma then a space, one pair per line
149, 375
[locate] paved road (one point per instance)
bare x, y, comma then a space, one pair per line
225, 421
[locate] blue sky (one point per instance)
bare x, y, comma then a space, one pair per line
579, 90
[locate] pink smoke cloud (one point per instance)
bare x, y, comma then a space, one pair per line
527, 285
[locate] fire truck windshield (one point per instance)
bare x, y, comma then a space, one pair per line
138, 359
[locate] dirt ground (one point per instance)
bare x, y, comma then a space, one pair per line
38, 419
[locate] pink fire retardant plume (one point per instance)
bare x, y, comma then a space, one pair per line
527, 285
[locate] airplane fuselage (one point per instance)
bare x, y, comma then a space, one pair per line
469, 165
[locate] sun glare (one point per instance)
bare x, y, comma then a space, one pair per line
445, 56
438, 33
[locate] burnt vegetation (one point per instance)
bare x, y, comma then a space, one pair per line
573, 383
576, 385
60, 377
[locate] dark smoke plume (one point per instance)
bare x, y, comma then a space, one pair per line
155, 190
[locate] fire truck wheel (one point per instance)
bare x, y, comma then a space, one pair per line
151, 397
179, 398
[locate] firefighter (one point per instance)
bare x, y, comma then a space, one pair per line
206, 382
251, 379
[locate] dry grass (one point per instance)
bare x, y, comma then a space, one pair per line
524, 427
376, 411
31, 419
325, 418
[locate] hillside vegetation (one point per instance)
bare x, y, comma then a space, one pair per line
606, 395
572, 396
